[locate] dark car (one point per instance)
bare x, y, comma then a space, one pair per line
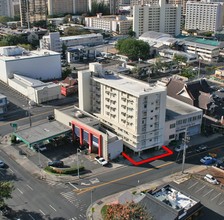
5, 211
201, 148
50, 117
56, 163
220, 165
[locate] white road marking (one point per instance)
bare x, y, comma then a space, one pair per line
20, 191
42, 212
11, 170
30, 187
31, 216
200, 189
193, 185
94, 180
53, 208
221, 202
85, 184
216, 196
72, 185
208, 192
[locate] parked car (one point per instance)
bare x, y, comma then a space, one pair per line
2, 164
39, 148
101, 160
207, 160
180, 148
209, 178
5, 211
220, 165
56, 163
50, 117
201, 148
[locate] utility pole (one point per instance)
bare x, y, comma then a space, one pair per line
185, 140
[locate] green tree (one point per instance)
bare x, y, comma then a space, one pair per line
6, 189
188, 72
4, 19
41, 23
133, 49
66, 72
10, 40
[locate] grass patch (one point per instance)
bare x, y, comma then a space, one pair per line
65, 171
104, 211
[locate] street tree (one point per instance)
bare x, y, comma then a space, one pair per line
6, 189
133, 49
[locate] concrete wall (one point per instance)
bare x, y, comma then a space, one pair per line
115, 148
43, 67
63, 118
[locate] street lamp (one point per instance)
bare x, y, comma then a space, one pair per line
185, 140
78, 150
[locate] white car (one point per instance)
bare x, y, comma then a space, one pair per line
101, 160
180, 148
209, 178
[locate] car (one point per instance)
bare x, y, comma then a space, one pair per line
209, 178
5, 211
50, 117
201, 148
2, 164
56, 163
180, 148
40, 148
101, 160
207, 160
220, 165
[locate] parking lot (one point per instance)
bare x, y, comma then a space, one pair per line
211, 196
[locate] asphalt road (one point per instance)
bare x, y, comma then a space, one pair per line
34, 199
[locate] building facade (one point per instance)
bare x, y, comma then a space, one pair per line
204, 16
132, 109
38, 64
60, 7
32, 11
118, 24
85, 40
160, 17
51, 42
112, 4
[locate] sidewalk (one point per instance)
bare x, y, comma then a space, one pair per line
134, 194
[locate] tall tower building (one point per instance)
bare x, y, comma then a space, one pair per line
159, 17
32, 11
132, 109
113, 4
204, 16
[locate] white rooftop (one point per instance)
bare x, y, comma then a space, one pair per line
9, 53
173, 198
80, 36
127, 84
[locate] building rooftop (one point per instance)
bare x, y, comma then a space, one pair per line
128, 84
175, 108
76, 113
10, 53
43, 131
80, 36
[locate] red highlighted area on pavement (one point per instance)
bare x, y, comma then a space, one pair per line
150, 159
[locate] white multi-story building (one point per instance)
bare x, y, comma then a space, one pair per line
132, 109
51, 42
204, 16
6, 8
37, 64
85, 40
119, 24
160, 17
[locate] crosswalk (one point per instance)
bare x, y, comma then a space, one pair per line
57, 184
72, 198
78, 218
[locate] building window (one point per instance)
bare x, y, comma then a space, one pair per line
172, 126
171, 136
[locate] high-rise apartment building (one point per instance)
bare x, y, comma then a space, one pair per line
57, 7
113, 4
204, 16
32, 11
132, 109
161, 17
9, 8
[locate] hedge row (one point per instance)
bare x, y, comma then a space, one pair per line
70, 170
